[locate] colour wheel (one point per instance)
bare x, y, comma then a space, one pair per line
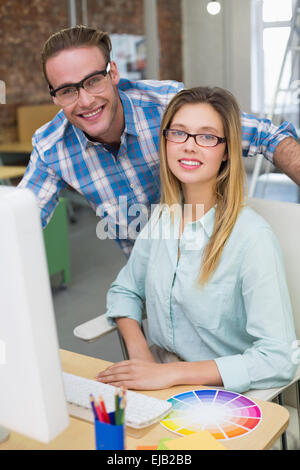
225, 414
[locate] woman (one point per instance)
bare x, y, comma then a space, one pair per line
212, 281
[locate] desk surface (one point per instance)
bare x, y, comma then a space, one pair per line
16, 147
80, 434
8, 172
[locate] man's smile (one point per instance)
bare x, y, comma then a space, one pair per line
92, 115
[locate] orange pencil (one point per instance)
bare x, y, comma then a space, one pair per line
103, 409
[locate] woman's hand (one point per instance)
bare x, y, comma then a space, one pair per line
139, 375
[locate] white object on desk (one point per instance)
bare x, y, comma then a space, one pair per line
141, 410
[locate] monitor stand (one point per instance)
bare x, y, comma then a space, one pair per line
4, 434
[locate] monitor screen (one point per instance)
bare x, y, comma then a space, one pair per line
32, 399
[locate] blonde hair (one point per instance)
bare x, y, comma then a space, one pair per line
76, 36
229, 189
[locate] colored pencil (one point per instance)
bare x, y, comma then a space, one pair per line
119, 417
117, 405
103, 409
122, 409
124, 405
116, 401
92, 401
99, 412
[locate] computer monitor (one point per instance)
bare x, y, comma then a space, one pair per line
32, 398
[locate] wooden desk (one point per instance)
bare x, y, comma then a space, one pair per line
16, 147
80, 434
8, 172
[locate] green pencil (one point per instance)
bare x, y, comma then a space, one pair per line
122, 410
117, 407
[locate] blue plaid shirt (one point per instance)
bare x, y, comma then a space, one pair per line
63, 155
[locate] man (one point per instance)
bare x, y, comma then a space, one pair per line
104, 141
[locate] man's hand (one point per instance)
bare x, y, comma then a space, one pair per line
139, 375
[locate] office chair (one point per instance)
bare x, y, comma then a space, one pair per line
284, 219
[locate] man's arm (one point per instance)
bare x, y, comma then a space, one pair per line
278, 144
287, 158
44, 183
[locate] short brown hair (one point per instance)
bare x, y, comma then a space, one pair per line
76, 36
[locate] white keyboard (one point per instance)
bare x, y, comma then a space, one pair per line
141, 410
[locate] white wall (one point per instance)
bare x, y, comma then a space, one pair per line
217, 49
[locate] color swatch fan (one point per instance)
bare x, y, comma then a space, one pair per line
224, 414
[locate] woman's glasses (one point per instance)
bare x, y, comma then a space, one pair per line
203, 140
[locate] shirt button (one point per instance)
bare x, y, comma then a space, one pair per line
132, 185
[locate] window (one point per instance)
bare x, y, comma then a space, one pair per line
271, 27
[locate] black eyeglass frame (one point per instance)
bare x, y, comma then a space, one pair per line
79, 85
220, 140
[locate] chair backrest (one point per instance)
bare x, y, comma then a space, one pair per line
30, 118
284, 218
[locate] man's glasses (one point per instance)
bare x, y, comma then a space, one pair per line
94, 84
204, 140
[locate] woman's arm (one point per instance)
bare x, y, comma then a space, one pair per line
200, 373
141, 375
135, 340
268, 361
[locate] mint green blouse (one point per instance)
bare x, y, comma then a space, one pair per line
241, 318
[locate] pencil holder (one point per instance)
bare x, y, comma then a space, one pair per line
109, 436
